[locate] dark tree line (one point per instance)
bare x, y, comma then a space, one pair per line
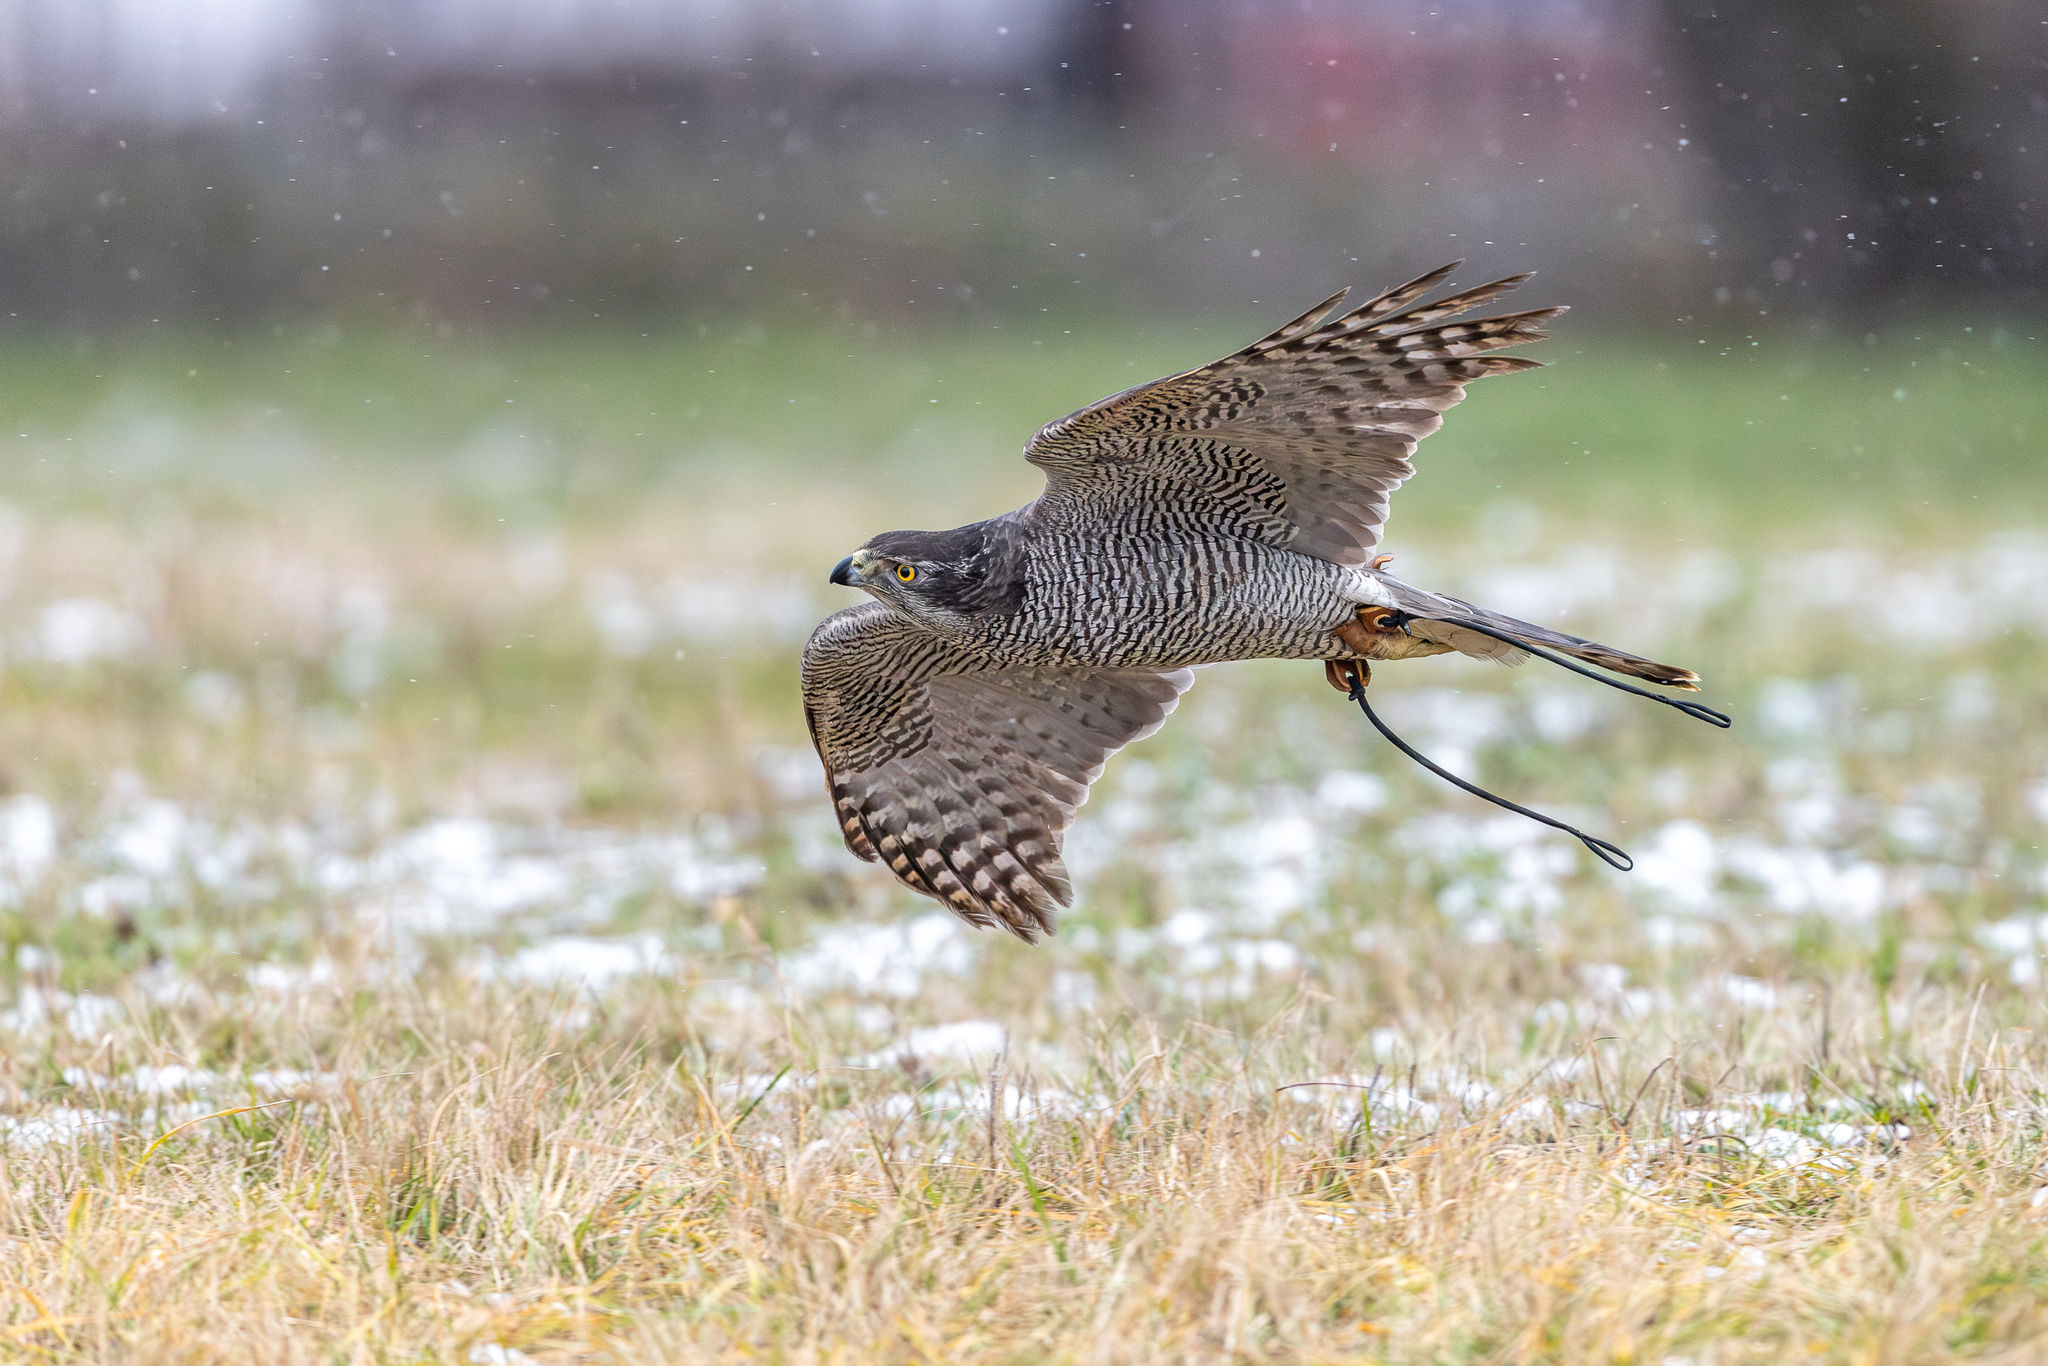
1875, 152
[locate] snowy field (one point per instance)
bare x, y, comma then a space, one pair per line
427, 937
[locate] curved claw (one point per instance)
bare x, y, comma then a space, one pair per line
1347, 675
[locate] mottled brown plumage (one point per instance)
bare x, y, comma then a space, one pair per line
1231, 512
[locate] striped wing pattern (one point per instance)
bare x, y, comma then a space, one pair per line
1331, 406
960, 774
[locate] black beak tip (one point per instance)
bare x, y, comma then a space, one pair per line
842, 573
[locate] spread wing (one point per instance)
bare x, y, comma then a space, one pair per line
1329, 410
962, 777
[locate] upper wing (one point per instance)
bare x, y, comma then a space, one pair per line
1331, 411
963, 777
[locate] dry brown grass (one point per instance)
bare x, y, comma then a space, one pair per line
484, 1172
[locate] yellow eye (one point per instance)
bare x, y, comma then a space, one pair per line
905, 573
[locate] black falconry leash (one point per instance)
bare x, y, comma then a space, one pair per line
1360, 674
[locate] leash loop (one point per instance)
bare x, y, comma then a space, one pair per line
1609, 854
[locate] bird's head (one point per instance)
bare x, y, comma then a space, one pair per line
940, 578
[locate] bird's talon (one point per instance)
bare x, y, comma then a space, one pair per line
1379, 560
1347, 675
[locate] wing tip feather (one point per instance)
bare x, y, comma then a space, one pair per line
1306, 323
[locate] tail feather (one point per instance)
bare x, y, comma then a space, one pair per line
1447, 612
1590, 651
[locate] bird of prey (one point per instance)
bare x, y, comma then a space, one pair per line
1230, 512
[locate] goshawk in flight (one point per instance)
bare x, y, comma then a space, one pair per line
1231, 512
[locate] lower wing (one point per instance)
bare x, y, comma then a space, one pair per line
960, 773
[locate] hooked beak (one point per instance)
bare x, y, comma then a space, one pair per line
842, 573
